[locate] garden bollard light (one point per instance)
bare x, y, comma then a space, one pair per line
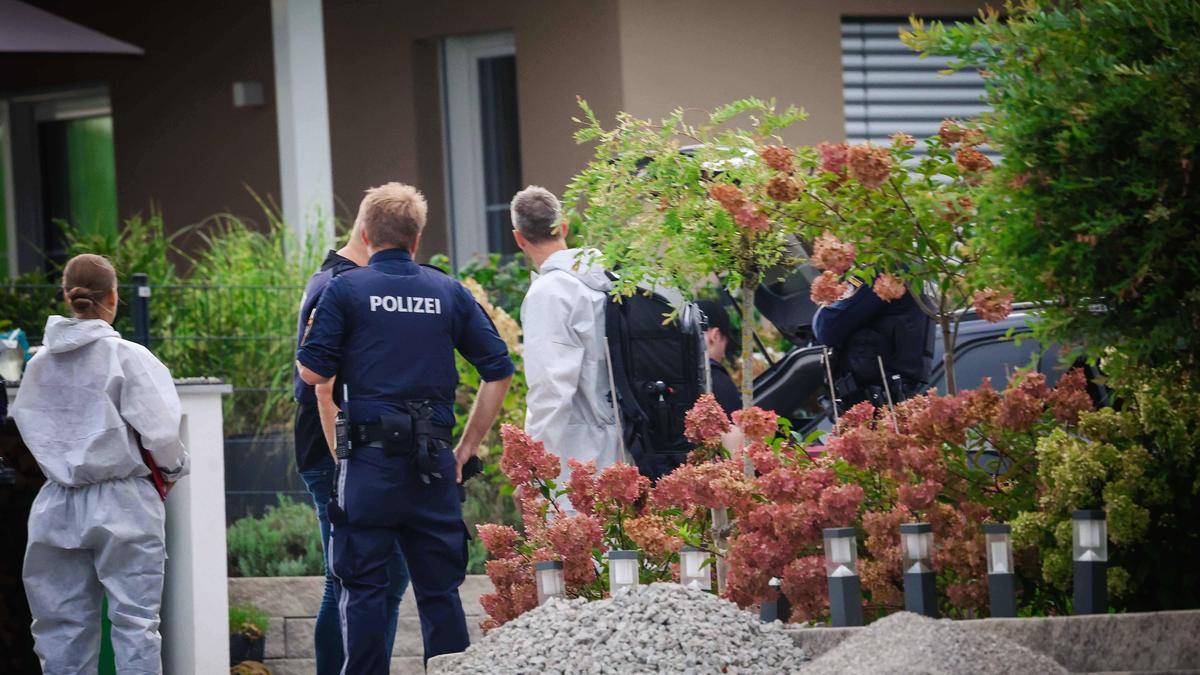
1001, 582
920, 583
549, 577
779, 608
694, 573
1090, 541
622, 570
841, 566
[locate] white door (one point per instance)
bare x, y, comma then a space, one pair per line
482, 143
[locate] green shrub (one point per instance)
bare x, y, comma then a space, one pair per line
1093, 210
247, 620
284, 542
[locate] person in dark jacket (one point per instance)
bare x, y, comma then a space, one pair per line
864, 329
315, 413
721, 345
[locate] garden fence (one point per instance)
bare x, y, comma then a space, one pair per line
244, 335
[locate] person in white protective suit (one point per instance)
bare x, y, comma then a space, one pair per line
568, 407
88, 399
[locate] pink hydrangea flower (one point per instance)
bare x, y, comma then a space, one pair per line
757, 424
582, 485
574, 538
992, 305
870, 165
750, 217
499, 540
652, 534
692, 485
918, 497
525, 459
832, 254
839, 504
828, 289
862, 414
706, 421
729, 196
834, 157
622, 484
1070, 397
889, 287
806, 587
763, 457
778, 157
941, 421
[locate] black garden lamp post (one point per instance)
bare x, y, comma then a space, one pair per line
841, 566
920, 584
1001, 582
1090, 543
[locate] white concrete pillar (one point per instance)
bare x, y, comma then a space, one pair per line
195, 612
302, 111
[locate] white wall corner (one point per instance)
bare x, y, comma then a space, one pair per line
302, 110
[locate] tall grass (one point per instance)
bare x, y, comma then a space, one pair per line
235, 316
225, 306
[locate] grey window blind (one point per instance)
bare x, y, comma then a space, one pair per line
889, 88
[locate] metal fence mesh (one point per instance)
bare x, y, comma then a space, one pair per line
244, 335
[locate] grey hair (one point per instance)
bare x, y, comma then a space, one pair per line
535, 214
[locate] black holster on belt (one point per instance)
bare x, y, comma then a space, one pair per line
409, 433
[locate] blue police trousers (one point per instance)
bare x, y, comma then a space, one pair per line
382, 500
327, 633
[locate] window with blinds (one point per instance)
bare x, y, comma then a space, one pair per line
889, 88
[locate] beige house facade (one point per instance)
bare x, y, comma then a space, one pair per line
469, 99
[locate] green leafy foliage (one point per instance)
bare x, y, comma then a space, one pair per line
1093, 210
230, 313
651, 206
249, 621
284, 542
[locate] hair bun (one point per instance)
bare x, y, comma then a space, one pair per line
88, 280
82, 299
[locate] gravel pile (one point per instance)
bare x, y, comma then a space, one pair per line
655, 628
909, 644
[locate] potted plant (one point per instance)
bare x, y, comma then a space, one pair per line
247, 634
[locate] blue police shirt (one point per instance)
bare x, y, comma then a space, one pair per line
907, 347
333, 265
389, 332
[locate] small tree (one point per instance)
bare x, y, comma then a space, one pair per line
1095, 204
905, 223
682, 204
680, 217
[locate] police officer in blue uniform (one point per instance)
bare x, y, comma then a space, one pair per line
861, 328
388, 333
314, 430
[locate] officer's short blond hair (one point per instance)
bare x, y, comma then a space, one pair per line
393, 215
536, 213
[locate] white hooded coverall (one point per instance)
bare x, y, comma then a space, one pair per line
568, 406
97, 526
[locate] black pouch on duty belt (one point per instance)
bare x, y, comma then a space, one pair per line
397, 431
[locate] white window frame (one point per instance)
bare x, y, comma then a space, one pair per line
466, 192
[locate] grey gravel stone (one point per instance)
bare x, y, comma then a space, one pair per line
910, 644
657, 628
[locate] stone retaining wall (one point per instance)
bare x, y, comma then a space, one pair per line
292, 604
1155, 642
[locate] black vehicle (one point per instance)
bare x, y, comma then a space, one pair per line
797, 386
